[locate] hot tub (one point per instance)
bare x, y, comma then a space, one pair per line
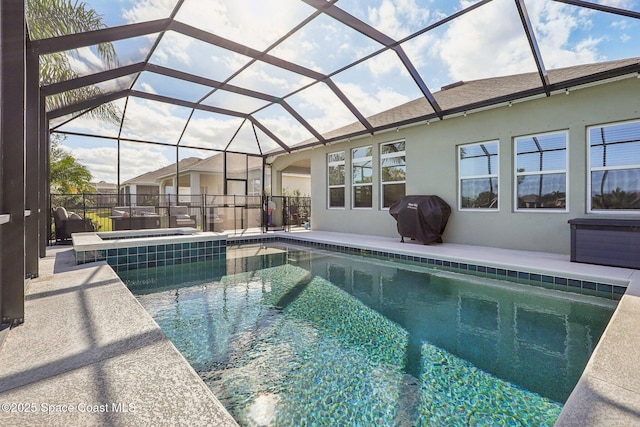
133, 249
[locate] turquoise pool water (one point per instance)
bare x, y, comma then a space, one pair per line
290, 336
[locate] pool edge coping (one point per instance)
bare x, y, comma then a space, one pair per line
572, 281
608, 391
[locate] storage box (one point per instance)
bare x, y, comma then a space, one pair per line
612, 242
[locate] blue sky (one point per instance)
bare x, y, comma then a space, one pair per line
487, 42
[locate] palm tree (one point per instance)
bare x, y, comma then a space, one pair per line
54, 18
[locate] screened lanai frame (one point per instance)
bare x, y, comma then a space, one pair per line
24, 144
265, 55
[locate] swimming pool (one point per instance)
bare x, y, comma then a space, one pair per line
285, 335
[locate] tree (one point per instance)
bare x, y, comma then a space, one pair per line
67, 175
53, 18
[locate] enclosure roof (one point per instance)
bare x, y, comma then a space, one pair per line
280, 75
462, 97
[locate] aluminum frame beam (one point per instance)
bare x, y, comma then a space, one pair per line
12, 161
208, 108
215, 40
88, 104
92, 79
232, 46
367, 30
33, 177
90, 38
602, 8
300, 119
533, 44
142, 141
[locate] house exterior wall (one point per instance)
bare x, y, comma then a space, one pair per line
432, 168
213, 182
302, 183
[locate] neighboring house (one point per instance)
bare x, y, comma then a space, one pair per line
105, 187
206, 176
146, 186
513, 173
106, 193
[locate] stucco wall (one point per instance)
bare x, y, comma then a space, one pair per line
432, 168
213, 182
301, 183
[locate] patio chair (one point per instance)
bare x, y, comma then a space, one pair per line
67, 223
134, 218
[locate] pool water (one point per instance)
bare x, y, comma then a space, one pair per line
289, 336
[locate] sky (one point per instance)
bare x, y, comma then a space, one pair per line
487, 42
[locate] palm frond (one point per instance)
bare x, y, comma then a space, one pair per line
54, 18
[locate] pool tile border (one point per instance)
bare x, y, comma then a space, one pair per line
564, 283
156, 255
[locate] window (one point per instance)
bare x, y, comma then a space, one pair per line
541, 171
362, 173
478, 175
255, 187
393, 171
335, 164
614, 166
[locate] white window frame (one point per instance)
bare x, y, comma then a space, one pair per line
344, 171
535, 173
355, 161
591, 169
388, 156
495, 174
253, 189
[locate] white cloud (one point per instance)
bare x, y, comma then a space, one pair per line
148, 10
243, 21
286, 129
153, 121
210, 132
622, 4
102, 161
398, 18
85, 124
561, 37
269, 79
174, 47
622, 24
78, 66
322, 108
474, 46
384, 63
371, 103
146, 87
87, 54
117, 84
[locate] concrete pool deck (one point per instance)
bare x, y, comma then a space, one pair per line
87, 344
89, 355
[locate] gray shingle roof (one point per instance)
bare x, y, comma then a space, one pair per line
483, 92
150, 178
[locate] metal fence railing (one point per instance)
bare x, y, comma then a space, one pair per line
229, 213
